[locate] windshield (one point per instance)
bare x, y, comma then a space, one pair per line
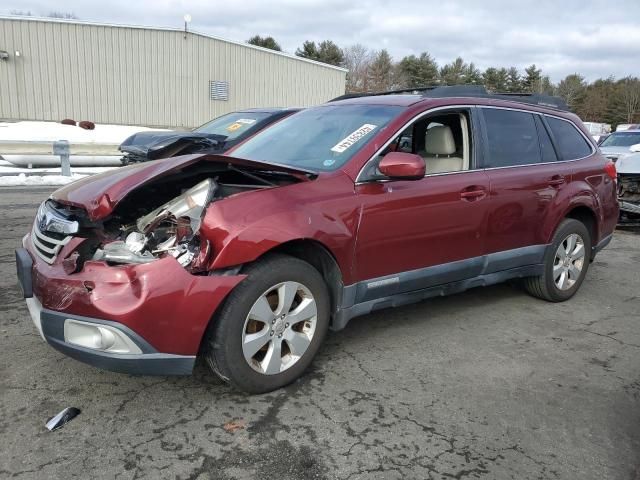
621, 139
320, 138
232, 125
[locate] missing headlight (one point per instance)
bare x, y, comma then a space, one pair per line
171, 229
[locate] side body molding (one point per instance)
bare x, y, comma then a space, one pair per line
413, 286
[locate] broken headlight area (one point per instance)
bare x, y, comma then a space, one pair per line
629, 196
171, 229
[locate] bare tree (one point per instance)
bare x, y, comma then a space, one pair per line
382, 72
357, 59
630, 97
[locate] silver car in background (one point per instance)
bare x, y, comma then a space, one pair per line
619, 144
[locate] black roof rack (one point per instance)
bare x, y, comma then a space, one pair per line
477, 91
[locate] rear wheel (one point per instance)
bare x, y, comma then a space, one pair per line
271, 325
565, 263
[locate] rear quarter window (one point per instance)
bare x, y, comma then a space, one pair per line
512, 138
546, 146
571, 144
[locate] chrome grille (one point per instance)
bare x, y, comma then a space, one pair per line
47, 244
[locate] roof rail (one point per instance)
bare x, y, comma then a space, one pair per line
477, 91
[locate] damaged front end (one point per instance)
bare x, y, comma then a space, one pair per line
629, 189
629, 198
139, 214
117, 269
147, 146
171, 229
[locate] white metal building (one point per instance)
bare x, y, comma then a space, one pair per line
53, 69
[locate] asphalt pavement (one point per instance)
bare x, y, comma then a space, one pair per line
489, 384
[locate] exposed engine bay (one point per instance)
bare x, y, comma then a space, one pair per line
629, 197
169, 229
164, 216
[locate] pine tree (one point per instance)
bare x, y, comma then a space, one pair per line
532, 79
418, 71
265, 42
514, 83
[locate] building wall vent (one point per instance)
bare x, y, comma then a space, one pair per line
219, 90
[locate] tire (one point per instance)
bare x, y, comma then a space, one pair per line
268, 285
546, 286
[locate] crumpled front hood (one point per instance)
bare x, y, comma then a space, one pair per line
155, 144
146, 138
629, 164
616, 151
99, 194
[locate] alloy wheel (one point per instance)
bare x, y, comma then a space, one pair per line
279, 328
568, 261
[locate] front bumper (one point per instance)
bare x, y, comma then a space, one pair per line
159, 307
629, 207
149, 362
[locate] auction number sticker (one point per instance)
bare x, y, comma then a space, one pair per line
353, 138
234, 126
246, 121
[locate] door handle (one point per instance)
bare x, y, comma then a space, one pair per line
471, 194
557, 180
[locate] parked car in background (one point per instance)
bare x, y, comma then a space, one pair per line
627, 126
597, 130
340, 210
216, 136
619, 144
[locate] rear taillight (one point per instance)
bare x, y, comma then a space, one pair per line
610, 170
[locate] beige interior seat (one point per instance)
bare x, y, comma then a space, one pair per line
440, 149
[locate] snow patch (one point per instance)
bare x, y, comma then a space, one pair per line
29, 180
52, 131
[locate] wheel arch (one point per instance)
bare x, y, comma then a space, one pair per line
311, 251
322, 259
588, 217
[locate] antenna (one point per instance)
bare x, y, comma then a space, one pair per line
187, 21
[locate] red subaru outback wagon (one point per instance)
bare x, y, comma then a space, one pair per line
356, 205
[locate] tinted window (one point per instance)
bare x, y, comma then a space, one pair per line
512, 138
570, 141
546, 147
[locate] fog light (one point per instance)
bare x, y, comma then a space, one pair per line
98, 337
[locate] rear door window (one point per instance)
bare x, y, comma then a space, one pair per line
512, 138
571, 143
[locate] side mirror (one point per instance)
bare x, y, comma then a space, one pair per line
635, 148
402, 166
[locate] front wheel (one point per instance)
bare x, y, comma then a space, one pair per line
271, 325
565, 263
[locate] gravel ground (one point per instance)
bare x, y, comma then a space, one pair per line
490, 384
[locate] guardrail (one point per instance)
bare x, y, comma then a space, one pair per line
61, 148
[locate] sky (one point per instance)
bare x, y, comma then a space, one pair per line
593, 38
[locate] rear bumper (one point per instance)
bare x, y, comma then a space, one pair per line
159, 308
